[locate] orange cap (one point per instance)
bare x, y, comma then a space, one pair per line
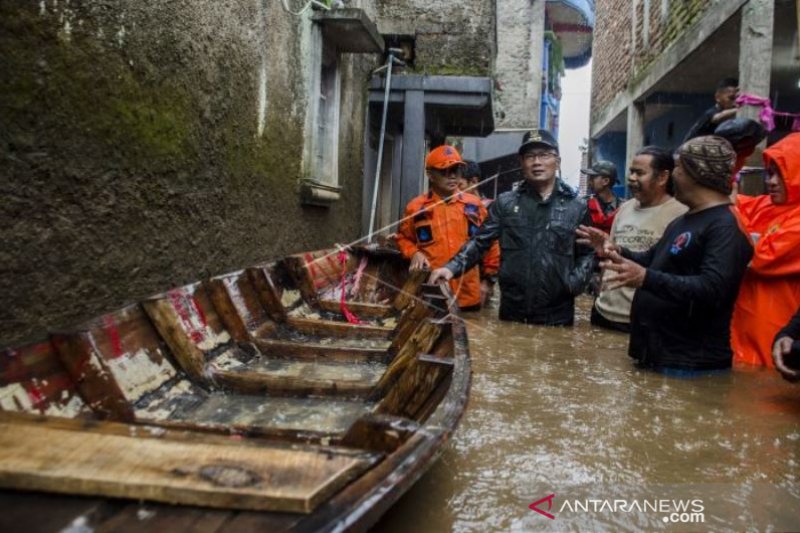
442, 157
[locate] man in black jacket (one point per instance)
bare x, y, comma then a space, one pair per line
542, 267
786, 349
687, 283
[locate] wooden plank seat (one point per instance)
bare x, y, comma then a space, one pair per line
33, 380
108, 460
216, 343
126, 372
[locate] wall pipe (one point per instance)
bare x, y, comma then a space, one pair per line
389, 62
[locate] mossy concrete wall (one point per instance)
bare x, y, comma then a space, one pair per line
144, 145
451, 38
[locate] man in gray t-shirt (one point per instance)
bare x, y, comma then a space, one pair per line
638, 225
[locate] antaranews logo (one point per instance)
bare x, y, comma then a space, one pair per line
535, 506
675, 511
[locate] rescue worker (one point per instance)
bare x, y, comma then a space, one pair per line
786, 349
770, 293
602, 203
543, 269
469, 181
687, 283
436, 224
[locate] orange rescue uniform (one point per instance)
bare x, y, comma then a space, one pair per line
438, 229
770, 291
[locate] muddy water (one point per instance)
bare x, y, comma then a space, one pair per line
563, 411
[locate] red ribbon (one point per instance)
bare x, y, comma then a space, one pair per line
351, 318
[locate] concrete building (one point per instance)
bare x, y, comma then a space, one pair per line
656, 64
145, 145
538, 41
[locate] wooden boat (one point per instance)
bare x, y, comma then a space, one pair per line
250, 392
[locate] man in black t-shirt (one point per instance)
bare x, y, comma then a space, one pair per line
723, 109
687, 283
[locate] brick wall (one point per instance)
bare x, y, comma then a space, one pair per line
620, 55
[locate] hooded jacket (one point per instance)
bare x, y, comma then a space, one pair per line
770, 292
542, 268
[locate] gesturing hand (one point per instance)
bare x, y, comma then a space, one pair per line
629, 274
597, 239
780, 350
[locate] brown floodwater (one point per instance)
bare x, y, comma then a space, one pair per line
563, 411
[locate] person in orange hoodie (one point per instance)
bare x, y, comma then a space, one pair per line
770, 291
436, 224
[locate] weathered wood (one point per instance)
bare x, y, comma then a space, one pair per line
167, 322
239, 306
303, 378
332, 328
410, 289
178, 430
420, 342
361, 309
412, 315
417, 382
270, 479
269, 293
33, 379
250, 522
234, 322
94, 379
283, 348
34, 512
311, 420
379, 432
138, 517
296, 268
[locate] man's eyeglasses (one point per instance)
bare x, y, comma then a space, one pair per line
542, 156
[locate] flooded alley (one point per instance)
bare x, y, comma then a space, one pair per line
563, 411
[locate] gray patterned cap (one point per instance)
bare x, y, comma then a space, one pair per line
709, 161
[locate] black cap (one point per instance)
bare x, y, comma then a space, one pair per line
602, 168
472, 170
744, 134
538, 137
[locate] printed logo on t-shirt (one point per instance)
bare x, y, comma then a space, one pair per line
680, 243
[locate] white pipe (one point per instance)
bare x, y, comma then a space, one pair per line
376, 186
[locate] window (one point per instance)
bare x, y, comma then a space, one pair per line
320, 185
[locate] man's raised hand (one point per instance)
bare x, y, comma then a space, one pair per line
596, 238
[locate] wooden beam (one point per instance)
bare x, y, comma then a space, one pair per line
257, 382
379, 433
167, 322
93, 378
291, 349
268, 292
332, 328
410, 288
361, 309
188, 473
